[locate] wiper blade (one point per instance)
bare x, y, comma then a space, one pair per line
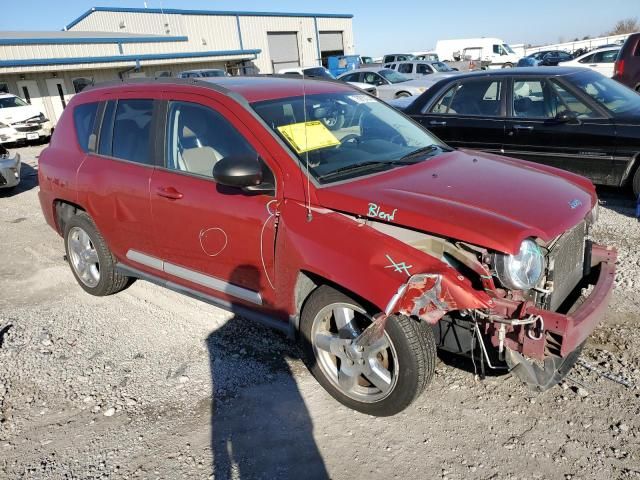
354, 167
420, 151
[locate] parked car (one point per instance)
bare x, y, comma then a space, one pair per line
566, 117
601, 60
627, 65
389, 83
20, 122
203, 73
392, 245
397, 57
429, 56
321, 72
493, 52
418, 69
547, 58
9, 168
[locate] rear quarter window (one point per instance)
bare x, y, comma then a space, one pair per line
84, 117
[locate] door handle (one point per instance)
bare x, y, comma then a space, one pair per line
439, 123
523, 127
169, 192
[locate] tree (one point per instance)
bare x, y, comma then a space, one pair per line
628, 25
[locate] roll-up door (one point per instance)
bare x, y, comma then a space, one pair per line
330, 45
283, 49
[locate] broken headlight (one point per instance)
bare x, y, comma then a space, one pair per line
523, 270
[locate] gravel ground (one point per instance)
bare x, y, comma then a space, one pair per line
151, 384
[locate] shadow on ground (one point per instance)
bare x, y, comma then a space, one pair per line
260, 425
617, 199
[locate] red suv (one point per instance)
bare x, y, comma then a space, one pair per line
627, 67
368, 238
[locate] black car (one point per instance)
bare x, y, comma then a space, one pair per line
547, 58
567, 117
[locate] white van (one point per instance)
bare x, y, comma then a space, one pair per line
487, 50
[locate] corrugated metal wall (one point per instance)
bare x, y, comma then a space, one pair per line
220, 32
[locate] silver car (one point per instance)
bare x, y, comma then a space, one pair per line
418, 69
9, 168
389, 83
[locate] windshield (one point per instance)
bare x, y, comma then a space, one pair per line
507, 48
393, 76
441, 67
347, 134
614, 96
11, 102
212, 73
318, 72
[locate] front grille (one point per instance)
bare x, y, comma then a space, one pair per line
566, 264
28, 128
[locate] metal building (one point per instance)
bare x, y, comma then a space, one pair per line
106, 43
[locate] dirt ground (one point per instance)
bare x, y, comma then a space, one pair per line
151, 384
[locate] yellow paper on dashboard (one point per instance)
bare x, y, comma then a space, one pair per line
307, 136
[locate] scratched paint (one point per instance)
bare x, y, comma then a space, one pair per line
213, 241
375, 211
399, 266
272, 210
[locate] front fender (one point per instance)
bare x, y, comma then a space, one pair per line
377, 267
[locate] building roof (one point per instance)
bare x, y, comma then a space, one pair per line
176, 11
32, 62
68, 37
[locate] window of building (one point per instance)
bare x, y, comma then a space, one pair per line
81, 83
4, 87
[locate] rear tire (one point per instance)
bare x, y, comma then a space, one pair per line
91, 261
507, 65
406, 355
402, 94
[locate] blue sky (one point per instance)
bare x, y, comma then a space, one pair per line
381, 27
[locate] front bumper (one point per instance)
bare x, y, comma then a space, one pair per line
13, 134
10, 171
555, 334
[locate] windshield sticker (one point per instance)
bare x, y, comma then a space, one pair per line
307, 136
376, 212
399, 266
362, 99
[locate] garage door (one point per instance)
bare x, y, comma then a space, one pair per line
330, 45
331, 42
283, 49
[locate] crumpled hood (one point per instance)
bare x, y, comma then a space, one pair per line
483, 199
18, 114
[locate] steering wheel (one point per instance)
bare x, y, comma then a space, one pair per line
350, 138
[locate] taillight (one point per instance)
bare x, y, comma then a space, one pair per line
619, 68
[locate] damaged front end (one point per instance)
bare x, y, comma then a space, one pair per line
537, 332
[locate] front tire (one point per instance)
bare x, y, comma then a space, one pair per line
403, 94
636, 183
382, 380
91, 261
507, 65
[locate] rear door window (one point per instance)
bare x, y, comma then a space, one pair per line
481, 98
84, 117
405, 68
131, 137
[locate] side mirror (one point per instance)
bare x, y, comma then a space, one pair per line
567, 116
239, 172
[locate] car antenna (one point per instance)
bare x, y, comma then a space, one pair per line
306, 153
